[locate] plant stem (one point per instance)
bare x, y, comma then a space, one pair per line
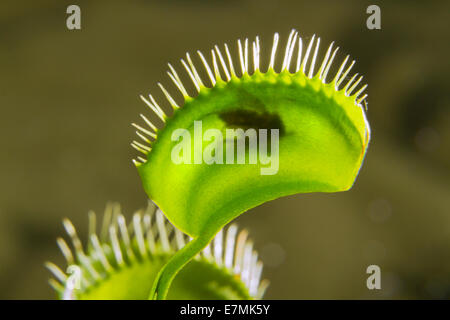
166, 275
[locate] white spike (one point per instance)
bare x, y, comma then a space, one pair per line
218, 247
241, 57
67, 253
229, 246
144, 138
256, 54
255, 279
255, 58
239, 254
138, 233
246, 262
344, 75
246, 55
349, 92
341, 68
57, 286
230, 61
106, 220
100, 253
116, 211
57, 272
178, 84
169, 97
274, 50
194, 70
313, 62
92, 224
252, 268
299, 54
308, 51
149, 133
146, 148
162, 230
361, 99
125, 236
325, 60
208, 69
292, 35
151, 208
361, 90
215, 66
116, 246
146, 220
176, 79
327, 68
149, 236
160, 111
70, 229
286, 52
191, 75
222, 61
155, 108
180, 239
291, 51
349, 83
148, 122
139, 148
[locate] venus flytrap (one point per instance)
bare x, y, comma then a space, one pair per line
122, 261
322, 127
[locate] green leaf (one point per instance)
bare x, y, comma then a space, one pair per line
323, 137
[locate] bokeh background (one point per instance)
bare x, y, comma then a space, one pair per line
67, 99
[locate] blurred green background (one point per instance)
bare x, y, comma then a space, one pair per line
67, 99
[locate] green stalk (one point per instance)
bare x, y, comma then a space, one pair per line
168, 272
